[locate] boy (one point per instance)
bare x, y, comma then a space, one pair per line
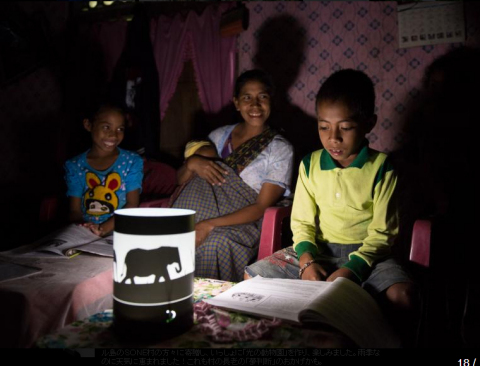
348, 189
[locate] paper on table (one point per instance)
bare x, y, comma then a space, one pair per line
66, 242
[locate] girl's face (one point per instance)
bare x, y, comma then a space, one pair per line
253, 103
107, 129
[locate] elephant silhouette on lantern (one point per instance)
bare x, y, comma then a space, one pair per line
145, 263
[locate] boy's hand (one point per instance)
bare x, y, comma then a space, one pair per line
314, 272
343, 272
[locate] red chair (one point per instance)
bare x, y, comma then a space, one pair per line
420, 246
159, 182
272, 233
274, 221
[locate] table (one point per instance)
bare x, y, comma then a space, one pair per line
66, 290
95, 331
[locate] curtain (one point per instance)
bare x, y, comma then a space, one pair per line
197, 37
134, 86
111, 38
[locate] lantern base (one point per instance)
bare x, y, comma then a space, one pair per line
147, 324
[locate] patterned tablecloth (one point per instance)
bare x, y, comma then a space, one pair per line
213, 328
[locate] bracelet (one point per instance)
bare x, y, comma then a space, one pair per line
305, 266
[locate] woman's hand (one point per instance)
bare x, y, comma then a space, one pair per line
202, 229
343, 272
206, 169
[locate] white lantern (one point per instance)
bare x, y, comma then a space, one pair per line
154, 264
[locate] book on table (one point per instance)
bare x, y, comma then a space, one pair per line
342, 304
66, 242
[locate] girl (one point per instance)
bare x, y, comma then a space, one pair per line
105, 177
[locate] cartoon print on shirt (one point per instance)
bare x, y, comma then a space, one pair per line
101, 199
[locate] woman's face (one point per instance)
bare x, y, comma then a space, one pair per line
253, 103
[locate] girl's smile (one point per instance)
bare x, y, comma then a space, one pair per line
107, 131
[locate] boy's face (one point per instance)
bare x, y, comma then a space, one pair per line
107, 131
340, 135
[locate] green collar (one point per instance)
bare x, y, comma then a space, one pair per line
328, 163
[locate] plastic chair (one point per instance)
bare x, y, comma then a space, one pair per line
274, 222
272, 230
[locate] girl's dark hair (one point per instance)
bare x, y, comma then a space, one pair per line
353, 88
95, 112
254, 75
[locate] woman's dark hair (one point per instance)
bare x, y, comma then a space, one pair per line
352, 88
254, 75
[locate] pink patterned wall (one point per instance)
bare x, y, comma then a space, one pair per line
357, 34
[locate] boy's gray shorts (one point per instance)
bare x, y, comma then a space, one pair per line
284, 264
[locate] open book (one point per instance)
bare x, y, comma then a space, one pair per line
66, 242
341, 304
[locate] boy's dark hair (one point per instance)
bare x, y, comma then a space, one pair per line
254, 75
353, 88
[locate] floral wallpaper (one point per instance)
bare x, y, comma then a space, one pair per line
342, 34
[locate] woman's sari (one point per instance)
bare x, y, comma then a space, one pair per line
227, 249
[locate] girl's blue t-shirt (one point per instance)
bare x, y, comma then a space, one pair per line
102, 192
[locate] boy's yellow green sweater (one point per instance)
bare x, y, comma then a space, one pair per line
353, 205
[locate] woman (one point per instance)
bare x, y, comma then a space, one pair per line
230, 197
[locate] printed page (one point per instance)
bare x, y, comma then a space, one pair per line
102, 246
270, 297
352, 310
55, 244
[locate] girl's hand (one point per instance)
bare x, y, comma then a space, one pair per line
343, 272
202, 229
206, 169
94, 228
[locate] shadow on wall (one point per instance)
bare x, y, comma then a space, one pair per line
280, 49
440, 128
439, 159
